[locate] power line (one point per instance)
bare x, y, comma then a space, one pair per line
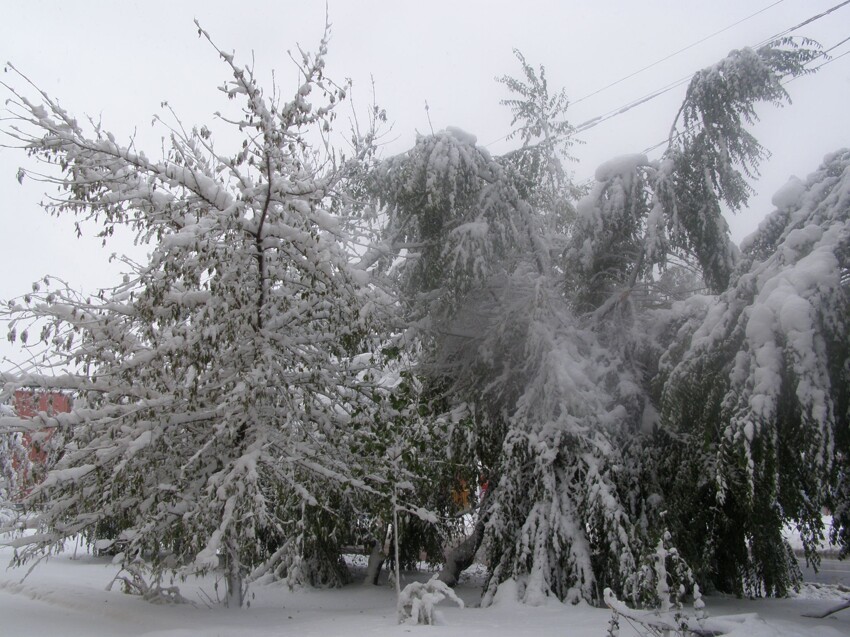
788, 81
832, 60
667, 57
829, 61
629, 106
803, 23
595, 121
835, 46
642, 100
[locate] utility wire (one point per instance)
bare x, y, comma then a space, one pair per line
835, 46
613, 113
675, 53
803, 23
627, 107
829, 61
832, 60
595, 121
642, 100
788, 81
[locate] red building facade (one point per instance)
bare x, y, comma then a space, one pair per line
28, 403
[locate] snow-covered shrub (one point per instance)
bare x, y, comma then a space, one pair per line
417, 603
660, 586
135, 582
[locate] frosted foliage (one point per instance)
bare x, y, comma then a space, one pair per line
621, 233
641, 214
454, 211
713, 154
217, 397
779, 334
721, 100
539, 121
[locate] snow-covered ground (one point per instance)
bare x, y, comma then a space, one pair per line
66, 595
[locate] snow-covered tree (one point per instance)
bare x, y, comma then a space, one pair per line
470, 246
756, 392
555, 522
642, 216
453, 223
546, 136
576, 425
219, 392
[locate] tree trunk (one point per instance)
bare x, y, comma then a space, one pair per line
376, 561
460, 558
233, 578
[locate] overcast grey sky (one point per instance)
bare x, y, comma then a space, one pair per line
120, 60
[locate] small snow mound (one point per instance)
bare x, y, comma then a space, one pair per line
815, 590
461, 135
507, 594
789, 196
623, 165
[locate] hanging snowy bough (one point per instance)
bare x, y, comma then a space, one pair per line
764, 377
642, 215
456, 213
556, 524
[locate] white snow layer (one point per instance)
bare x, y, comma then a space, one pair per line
462, 135
66, 595
789, 195
624, 165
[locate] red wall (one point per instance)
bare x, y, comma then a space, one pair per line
28, 403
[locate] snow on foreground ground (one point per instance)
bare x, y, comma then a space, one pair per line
66, 596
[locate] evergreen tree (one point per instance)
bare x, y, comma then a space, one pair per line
757, 396
498, 343
642, 215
